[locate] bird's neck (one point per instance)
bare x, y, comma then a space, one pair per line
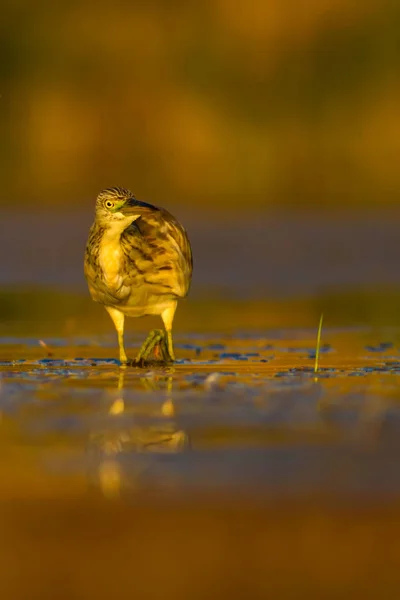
113, 231
111, 255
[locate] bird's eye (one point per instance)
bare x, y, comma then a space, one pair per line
109, 204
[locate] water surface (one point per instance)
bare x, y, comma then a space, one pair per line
238, 468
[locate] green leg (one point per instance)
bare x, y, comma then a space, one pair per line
163, 349
155, 337
165, 345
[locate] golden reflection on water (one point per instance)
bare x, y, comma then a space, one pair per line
163, 438
78, 424
232, 472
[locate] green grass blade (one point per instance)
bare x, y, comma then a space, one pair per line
318, 344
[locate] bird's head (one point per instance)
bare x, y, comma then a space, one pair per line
118, 207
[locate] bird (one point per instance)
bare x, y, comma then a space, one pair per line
138, 261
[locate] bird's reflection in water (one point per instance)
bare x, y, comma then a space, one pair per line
127, 451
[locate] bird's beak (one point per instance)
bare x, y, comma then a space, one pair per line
135, 207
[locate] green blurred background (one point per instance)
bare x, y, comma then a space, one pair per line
209, 103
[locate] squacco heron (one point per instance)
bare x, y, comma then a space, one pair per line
138, 262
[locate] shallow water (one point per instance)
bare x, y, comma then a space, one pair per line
147, 480
234, 413
237, 469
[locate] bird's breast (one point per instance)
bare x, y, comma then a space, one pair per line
111, 262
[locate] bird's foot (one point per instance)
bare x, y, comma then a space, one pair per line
156, 342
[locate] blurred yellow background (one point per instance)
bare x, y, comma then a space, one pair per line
206, 103
216, 110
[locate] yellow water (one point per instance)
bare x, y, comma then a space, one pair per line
236, 469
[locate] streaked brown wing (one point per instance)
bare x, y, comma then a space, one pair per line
159, 254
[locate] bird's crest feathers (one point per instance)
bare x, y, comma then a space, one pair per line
114, 193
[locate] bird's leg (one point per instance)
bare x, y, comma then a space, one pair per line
167, 317
170, 347
118, 320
